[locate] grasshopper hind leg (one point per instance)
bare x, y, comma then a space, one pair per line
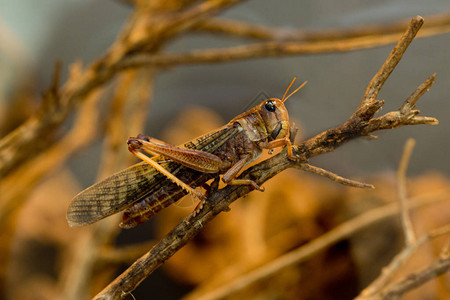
210, 188
135, 145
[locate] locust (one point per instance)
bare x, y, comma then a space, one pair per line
144, 189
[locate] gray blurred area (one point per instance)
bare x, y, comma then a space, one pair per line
70, 30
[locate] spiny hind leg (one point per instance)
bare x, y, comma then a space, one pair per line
192, 158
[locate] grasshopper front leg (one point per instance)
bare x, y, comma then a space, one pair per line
279, 143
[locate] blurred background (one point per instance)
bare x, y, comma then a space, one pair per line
188, 100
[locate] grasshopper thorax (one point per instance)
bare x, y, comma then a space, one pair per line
266, 122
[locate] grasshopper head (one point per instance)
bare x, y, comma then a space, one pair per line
270, 114
275, 117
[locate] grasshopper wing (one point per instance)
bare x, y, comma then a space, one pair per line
112, 195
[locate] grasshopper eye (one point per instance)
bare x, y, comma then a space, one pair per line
270, 106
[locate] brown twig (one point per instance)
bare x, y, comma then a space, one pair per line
435, 24
219, 201
410, 236
414, 280
145, 37
332, 176
410, 103
377, 82
397, 262
252, 51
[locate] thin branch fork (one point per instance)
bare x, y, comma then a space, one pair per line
379, 288
376, 287
437, 268
359, 124
391, 62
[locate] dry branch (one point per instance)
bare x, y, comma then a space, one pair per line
408, 229
281, 43
252, 51
332, 176
396, 290
376, 287
359, 124
435, 24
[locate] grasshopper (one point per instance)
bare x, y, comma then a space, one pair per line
144, 189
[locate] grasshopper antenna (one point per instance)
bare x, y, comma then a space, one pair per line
295, 91
287, 90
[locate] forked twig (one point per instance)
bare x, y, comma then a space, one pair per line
378, 289
396, 290
393, 59
398, 261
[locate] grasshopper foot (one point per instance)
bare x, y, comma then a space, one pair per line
134, 144
143, 137
197, 210
256, 186
247, 182
293, 158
